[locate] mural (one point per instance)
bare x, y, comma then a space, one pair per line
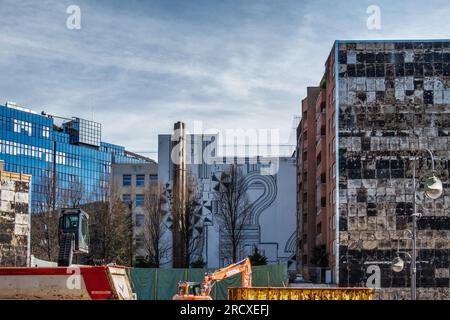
272, 227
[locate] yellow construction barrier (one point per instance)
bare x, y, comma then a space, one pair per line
300, 294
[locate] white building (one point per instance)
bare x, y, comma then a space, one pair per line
273, 226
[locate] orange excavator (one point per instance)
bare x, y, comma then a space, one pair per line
201, 291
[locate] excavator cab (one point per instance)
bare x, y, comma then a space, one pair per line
73, 235
191, 288
190, 291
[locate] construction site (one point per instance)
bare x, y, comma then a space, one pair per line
216, 151
22, 276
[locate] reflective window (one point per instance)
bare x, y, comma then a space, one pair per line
83, 163
140, 180
126, 199
139, 220
139, 241
153, 178
126, 180
139, 200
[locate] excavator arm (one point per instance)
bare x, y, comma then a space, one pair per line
243, 267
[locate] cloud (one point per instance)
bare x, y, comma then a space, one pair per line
140, 66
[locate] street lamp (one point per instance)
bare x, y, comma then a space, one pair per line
398, 264
432, 189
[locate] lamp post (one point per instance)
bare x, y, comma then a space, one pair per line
433, 190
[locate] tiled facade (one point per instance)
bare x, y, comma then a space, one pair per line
392, 98
14, 218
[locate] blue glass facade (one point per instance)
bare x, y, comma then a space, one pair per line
32, 143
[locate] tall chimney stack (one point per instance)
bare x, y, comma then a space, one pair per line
179, 194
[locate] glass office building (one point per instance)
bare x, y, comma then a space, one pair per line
71, 152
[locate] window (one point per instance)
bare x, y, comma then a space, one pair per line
153, 178
84, 232
46, 132
126, 180
140, 180
126, 199
139, 200
333, 120
139, 241
333, 175
139, 220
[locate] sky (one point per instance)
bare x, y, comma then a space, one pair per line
139, 66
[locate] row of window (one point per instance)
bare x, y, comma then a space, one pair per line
140, 179
17, 149
28, 128
139, 201
126, 198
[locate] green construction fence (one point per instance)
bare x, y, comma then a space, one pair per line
161, 284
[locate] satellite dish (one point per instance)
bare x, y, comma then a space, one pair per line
398, 264
433, 187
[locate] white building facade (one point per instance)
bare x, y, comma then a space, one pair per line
271, 189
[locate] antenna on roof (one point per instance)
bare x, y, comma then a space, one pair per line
53, 116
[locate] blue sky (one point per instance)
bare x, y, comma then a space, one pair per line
139, 66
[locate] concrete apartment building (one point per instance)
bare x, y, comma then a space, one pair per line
316, 173
131, 180
14, 218
382, 101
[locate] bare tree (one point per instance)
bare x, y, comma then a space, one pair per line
154, 226
193, 238
44, 223
190, 239
73, 196
122, 219
110, 229
233, 210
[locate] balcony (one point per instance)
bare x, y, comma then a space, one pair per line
305, 143
318, 145
318, 211
319, 239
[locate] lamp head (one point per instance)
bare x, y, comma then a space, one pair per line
398, 264
433, 187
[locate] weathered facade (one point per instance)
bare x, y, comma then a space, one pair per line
14, 219
392, 99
